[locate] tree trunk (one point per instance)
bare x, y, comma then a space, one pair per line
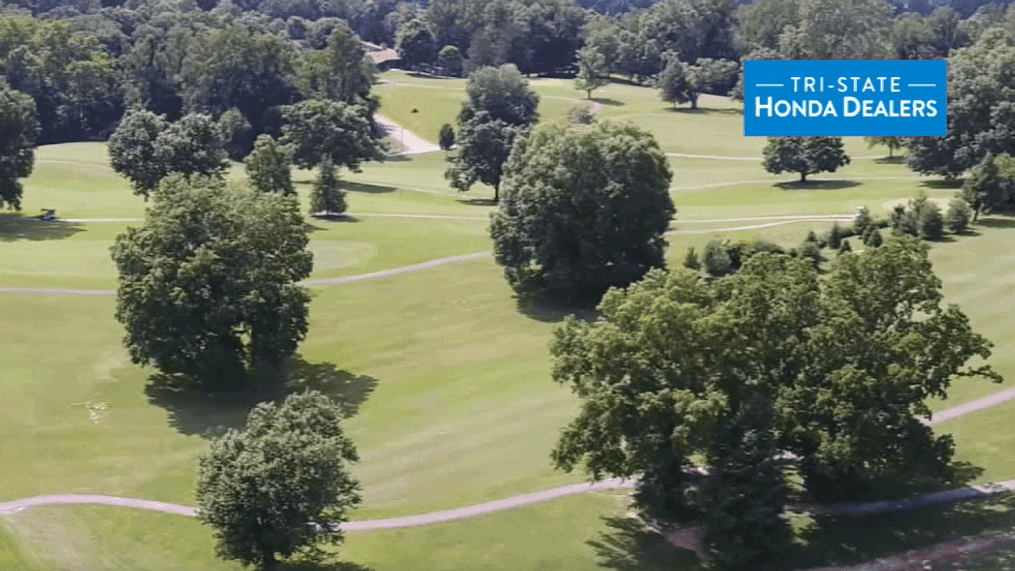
803, 177
269, 563
694, 103
588, 93
976, 212
496, 193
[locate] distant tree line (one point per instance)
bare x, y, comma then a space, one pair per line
84, 62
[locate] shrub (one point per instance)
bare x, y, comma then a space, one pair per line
874, 239
581, 115
845, 248
835, 236
958, 216
863, 221
691, 261
930, 222
715, 259
903, 221
811, 250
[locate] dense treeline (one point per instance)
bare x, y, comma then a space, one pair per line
84, 62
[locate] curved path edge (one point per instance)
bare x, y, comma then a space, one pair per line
840, 509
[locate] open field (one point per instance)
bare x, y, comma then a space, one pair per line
447, 376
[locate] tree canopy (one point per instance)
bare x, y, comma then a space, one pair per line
208, 284
592, 71
281, 485
584, 209
804, 155
767, 370
18, 131
145, 148
981, 106
320, 129
483, 147
503, 93
268, 167
990, 186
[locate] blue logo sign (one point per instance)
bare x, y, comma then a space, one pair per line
845, 98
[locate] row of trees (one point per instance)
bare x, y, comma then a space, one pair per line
83, 71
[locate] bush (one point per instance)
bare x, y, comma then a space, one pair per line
835, 236
446, 138
863, 221
691, 260
845, 248
811, 250
930, 222
903, 221
958, 216
874, 239
716, 260
581, 115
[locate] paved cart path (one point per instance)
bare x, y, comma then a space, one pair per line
844, 509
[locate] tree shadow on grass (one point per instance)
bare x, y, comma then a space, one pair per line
477, 201
347, 389
631, 546
942, 184
321, 566
896, 160
607, 101
548, 310
856, 540
367, 188
193, 411
996, 221
705, 110
817, 184
14, 227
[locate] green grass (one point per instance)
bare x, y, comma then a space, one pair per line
450, 375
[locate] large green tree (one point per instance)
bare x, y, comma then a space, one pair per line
327, 196
773, 368
503, 93
145, 148
500, 109
339, 72
450, 60
208, 284
18, 129
981, 106
592, 71
483, 147
319, 129
674, 84
892, 143
416, 44
268, 167
282, 485
990, 186
804, 155
839, 29
237, 66
584, 208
